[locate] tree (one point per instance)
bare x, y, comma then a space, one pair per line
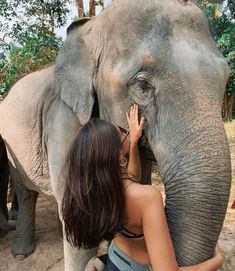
92, 7
37, 51
93, 4
27, 14
27, 37
80, 8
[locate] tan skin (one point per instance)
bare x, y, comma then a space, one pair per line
145, 214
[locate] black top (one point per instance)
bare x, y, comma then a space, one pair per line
128, 234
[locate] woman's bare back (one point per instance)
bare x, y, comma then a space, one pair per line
136, 199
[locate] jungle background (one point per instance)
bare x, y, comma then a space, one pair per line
31, 33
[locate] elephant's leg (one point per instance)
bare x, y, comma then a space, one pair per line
4, 227
12, 197
23, 240
11, 190
4, 178
146, 170
13, 213
74, 259
60, 137
77, 259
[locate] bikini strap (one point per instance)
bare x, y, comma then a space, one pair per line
129, 234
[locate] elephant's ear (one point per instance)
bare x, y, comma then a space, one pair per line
74, 71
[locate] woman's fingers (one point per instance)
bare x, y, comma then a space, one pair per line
133, 115
128, 118
134, 112
142, 123
135, 126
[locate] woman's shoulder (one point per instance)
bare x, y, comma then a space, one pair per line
144, 194
139, 198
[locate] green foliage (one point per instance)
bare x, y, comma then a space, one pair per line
27, 38
27, 13
222, 23
16, 61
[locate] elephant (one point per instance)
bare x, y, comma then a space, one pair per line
159, 55
4, 177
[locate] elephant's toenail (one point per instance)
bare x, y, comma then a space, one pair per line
20, 257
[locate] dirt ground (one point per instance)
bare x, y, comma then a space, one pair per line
48, 255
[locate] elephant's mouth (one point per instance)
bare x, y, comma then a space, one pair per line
145, 149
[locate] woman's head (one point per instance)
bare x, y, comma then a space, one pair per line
98, 145
93, 201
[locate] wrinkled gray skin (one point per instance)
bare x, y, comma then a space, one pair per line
159, 55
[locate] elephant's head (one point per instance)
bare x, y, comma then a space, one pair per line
159, 55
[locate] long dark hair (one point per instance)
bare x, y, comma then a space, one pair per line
93, 202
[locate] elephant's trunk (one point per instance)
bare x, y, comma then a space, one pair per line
196, 171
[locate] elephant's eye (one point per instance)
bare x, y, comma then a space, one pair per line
144, 84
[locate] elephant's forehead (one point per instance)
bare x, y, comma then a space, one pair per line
148, 58
153, 12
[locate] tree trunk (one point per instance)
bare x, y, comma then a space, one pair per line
92, 8
80, 8
146, 170
227, 111
231, 102
225, 107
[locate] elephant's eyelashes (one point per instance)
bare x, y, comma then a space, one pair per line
143, 84
144, 81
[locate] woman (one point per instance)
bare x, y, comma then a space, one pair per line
103, 200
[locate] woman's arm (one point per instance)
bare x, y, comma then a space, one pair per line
158, 240
136, 127
134, 164
157, 237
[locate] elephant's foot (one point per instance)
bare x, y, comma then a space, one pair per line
21, 257
23, 240
22, 252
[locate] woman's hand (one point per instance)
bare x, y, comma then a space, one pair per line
135, 126
218, 254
